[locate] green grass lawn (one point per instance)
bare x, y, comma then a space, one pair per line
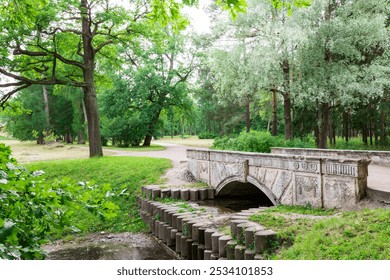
152, 148
127, 174
323, 235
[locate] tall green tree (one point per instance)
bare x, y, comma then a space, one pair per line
345, 62
64, 41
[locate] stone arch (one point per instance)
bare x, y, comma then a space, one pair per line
266, 191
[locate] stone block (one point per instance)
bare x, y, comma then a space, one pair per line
190, 224
215, 242
201, 237
194, 250
156, 193
194, 195
165, 193
168, 238
189, 243
223, 240
230, 248
184, 248
207, 255
202, 194
178, 242
173, 233
239, 252
207, 238
200, 252
184, 194
263, 240
210, 193
161, 230
175, 216
175, 193
250, 236
233, 226
240, 236
249, 254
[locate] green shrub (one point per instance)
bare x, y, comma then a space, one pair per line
259, 141
33, 209
125, 131
207, 135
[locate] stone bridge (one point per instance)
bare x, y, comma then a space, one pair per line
320, 181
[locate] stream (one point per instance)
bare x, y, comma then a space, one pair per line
135, 246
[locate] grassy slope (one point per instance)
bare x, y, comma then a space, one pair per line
347, 235
121, 172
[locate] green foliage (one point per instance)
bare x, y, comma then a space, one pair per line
257, 141
33, 209
125, 175
207, 135
359, 235
354, 144
304, 210
26, 118
152, 147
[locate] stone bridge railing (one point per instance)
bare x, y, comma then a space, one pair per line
288, 179
376, 157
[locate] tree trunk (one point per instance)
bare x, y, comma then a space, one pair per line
90, 99
274, 112
324, 126
287, 100
247, 116
182, 126
47, 111
40, 140
287, 116
151, 128
346, 126
383, 133
364, 134
80, 137
69, 138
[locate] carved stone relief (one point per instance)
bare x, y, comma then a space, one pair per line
307, 190
338, 192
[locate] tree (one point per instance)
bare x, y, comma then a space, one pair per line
158, 79
63, 42
345, 62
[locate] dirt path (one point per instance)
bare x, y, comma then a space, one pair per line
174, 152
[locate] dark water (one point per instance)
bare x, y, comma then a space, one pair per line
232, 204
111, 251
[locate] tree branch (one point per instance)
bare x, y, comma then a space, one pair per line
102, 45
7, 96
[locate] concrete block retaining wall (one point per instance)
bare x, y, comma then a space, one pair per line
193, 235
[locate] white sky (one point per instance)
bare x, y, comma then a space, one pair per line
200, 21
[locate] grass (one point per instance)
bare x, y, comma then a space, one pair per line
125, 174
3, 137
361, 235
152, 148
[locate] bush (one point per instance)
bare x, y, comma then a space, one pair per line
32, 209
207, 135
258, 141
125, 130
